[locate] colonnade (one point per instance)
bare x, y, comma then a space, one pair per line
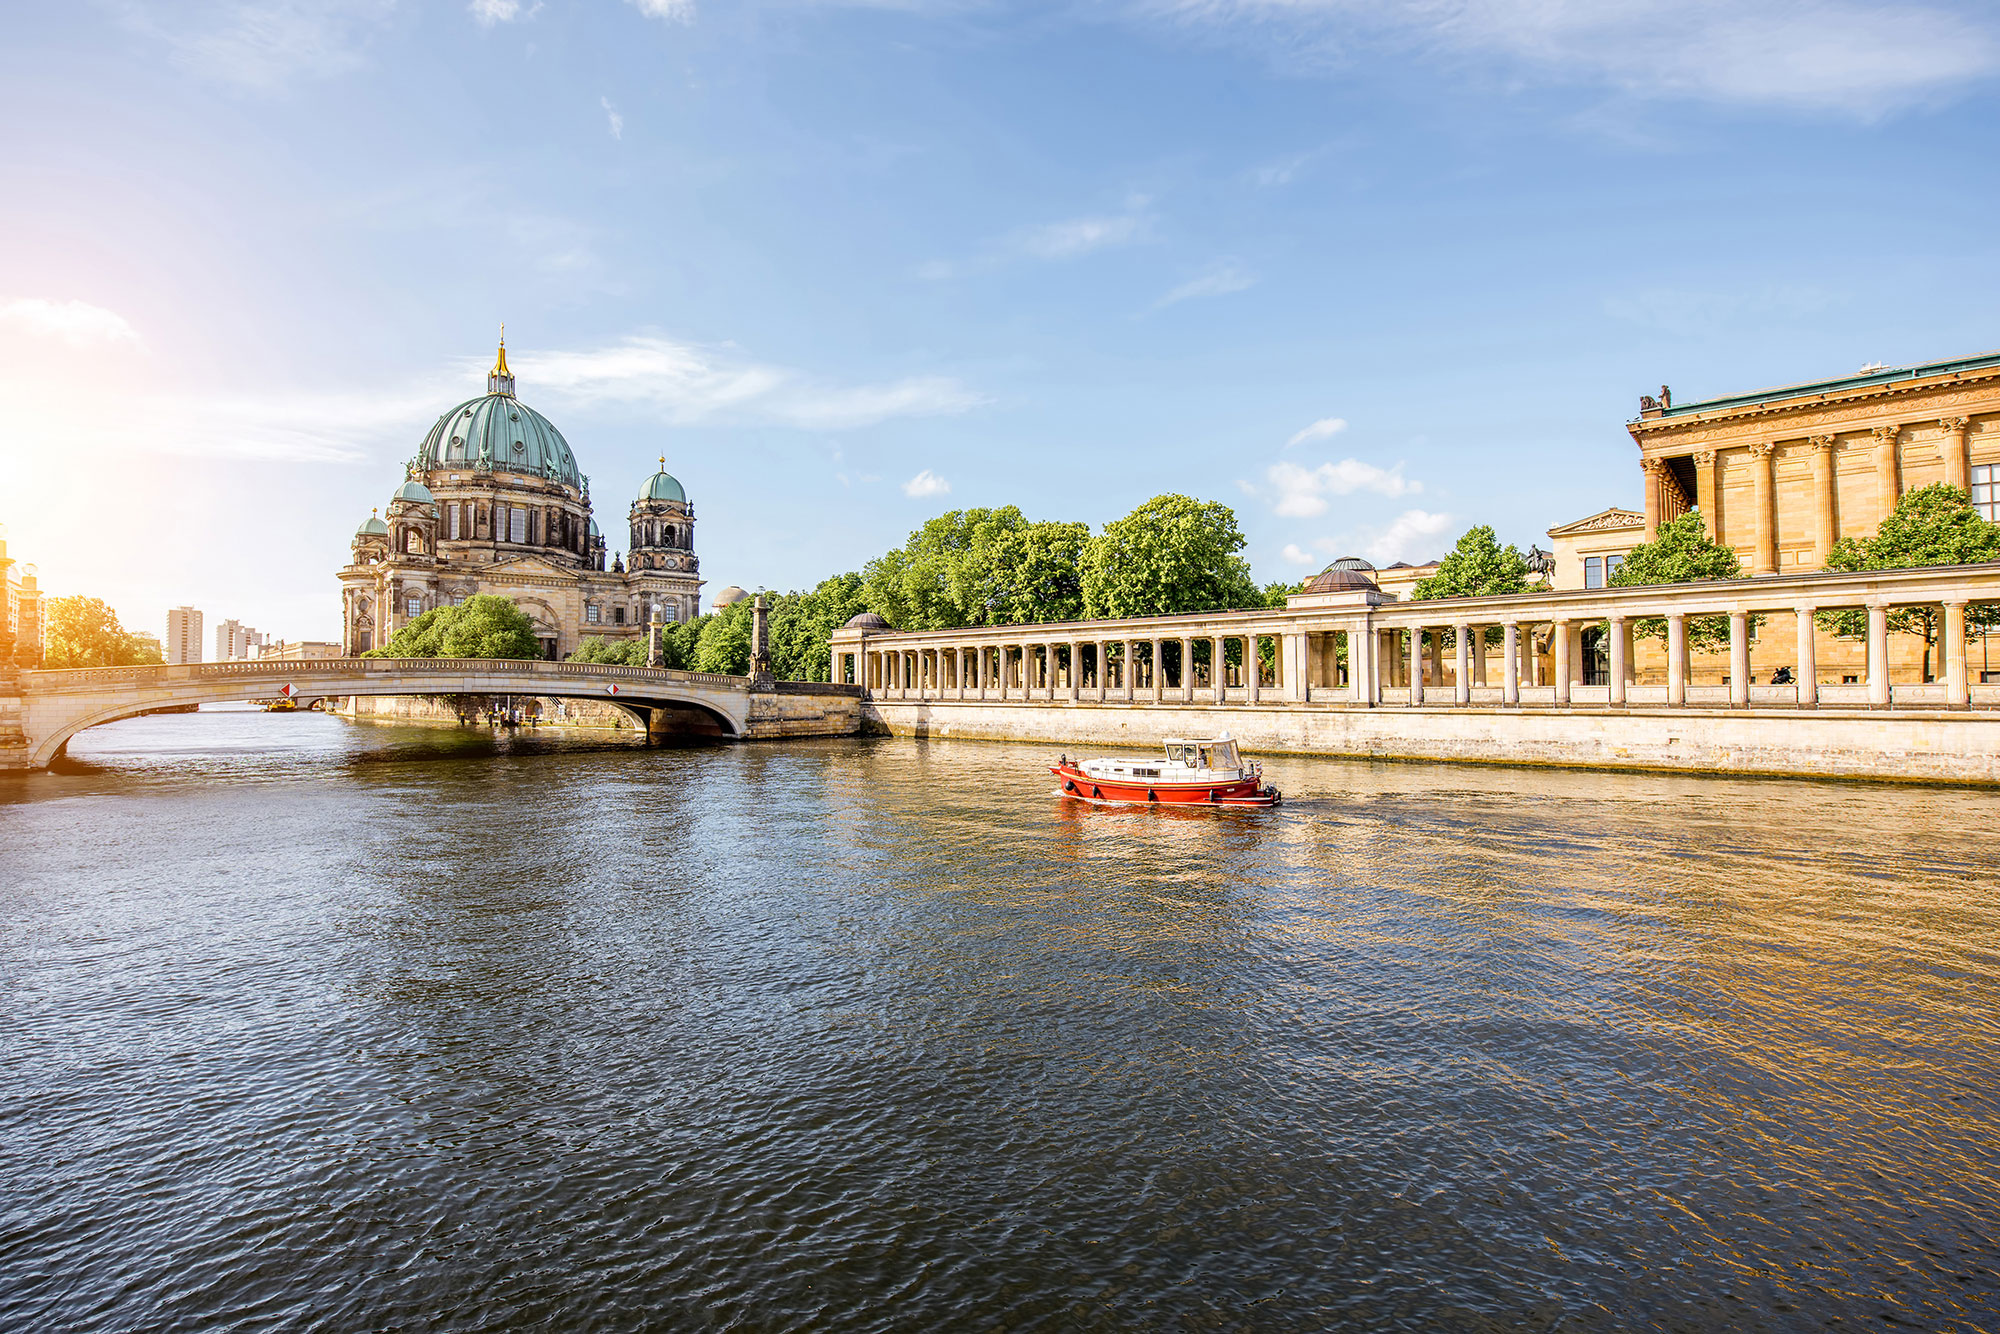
1567, 649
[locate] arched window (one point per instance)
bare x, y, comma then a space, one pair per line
413, 542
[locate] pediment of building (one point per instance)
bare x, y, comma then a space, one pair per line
1602, 521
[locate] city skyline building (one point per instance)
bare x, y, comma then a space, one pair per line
183, 642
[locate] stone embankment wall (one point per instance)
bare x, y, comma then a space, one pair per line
1913, 747
430, 711
793, 712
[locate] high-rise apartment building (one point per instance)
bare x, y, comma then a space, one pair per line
235, 642
183, 636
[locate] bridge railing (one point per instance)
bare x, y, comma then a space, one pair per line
333, 670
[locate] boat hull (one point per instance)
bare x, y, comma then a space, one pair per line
1080, 786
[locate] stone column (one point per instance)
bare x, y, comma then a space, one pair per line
1416, 660
1708, 493
1158, 679
1103, 677
1218, 668
1824, 515
1001, 654
1461, 688
1559, 641
1888, 481
1253, 668
1677, 659
1187, 669
1075, 670
1763, 491
1878, 657
1129, 686
833, 668
1654, 470
1808, 668
1957, 468
1510, 665
1620, 656
1957, 680
1739, 659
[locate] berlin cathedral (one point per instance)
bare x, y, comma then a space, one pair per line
494, 504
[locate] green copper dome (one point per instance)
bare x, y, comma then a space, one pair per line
415, 490
372, 526
662, 486
499, 431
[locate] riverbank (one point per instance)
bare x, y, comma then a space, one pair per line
1900, 747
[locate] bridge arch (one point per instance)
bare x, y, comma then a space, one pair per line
61, 704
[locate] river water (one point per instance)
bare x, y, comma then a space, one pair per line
319, 1025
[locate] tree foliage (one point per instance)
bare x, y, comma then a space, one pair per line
84, 632
484, 626
1932, 525
1681, 552
1172, 554
1477, 567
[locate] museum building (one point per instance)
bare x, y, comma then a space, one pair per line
494, 502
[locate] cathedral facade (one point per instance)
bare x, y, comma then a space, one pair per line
494, 503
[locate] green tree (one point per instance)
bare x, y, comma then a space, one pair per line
1275, 594
723, 642
802, 626
1681, 552
483, 626
1932, 525
1171, 554
1036, 574
616, 652
1477, 567
84, 632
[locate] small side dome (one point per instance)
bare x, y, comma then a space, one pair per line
372, 526
416, 491
729, 597
1341, 577
663, 486
869, 620
593, 529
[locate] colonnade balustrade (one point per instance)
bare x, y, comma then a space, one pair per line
1596, 648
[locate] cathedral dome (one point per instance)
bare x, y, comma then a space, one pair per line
728, 597
663, 486
416, 492
372, 526
499, 431
869, 620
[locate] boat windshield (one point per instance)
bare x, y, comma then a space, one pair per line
1222, 755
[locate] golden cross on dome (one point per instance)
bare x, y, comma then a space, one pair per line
663, 463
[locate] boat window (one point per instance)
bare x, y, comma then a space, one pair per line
1145, 773
1225, 756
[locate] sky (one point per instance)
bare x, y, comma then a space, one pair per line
1370, 272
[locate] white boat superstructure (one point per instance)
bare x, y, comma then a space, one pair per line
1191, 761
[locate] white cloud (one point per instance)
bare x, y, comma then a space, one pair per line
926, 483
1301, 493
673, 11
77, 323
1298, 555
489, 12
1282, 172
1225, 278
1323, 429
611, 115
266, 47
684, 382
1842, 56
1079, 236
1066, 239
1411, 536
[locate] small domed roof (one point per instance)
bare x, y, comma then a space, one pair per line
869, 620
414, 490
662, 485
1341, 577
730, 596
372, 526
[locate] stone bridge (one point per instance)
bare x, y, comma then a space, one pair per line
41, 710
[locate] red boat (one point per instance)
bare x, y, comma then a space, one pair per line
1194, 773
